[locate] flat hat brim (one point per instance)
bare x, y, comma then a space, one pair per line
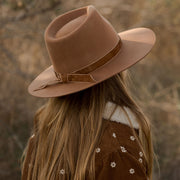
136, 44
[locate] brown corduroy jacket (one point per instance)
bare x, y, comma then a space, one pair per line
118, 156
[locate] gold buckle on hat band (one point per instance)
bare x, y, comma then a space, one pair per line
83, 75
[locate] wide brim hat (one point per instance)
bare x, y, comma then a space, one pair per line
85, 50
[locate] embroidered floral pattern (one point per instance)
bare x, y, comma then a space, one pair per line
140, 154
98, 150
140, 160
132, 138
113, 164
62, 171
114, 135
131, 171
123, 149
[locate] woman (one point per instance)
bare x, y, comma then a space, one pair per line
90, 128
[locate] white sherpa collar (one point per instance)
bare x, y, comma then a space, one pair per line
119, 115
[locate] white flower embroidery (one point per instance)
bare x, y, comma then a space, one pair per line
62, 171
98, 150
123, 149
140, 153
113, 164
114, 135
132, 138
132, 171
140, 160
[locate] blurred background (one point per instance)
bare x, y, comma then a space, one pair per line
156, 79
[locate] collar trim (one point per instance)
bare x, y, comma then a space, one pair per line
119, 115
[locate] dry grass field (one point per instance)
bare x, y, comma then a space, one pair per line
155, 80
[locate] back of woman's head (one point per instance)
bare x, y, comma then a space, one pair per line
67, 130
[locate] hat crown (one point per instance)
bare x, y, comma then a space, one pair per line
70, 26
78, 38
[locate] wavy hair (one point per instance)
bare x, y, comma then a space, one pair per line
67, 130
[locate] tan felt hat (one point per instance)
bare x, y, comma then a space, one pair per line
85, 50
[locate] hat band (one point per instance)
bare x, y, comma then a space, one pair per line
82, 74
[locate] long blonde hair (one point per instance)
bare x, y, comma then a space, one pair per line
67, 130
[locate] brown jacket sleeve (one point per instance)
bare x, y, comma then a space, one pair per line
118, 156
120, 165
